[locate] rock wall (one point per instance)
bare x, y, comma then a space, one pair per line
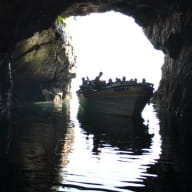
172, 34
40, 67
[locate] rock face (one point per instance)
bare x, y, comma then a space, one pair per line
172, 35
39, 60
40, 67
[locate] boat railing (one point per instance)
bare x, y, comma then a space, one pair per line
129, 83
90, 87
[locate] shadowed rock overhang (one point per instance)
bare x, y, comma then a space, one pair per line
20, 18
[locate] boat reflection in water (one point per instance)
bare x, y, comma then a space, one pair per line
118, 131
44, 149
110, 153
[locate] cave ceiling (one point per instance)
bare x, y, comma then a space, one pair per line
20, 18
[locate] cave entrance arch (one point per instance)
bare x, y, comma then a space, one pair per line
42, 62
113, 43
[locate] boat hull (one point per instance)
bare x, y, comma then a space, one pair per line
127, 102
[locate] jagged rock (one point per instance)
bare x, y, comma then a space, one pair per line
40, 67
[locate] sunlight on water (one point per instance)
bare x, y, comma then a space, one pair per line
95, 163
66, 150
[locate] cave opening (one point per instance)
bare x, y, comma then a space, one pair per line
113, 43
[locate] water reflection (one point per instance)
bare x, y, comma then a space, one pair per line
118, 131
47, 148
109, 153
174, 167
32, 147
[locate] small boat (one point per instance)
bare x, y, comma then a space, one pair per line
126, 98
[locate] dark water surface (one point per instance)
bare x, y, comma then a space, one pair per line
48, 148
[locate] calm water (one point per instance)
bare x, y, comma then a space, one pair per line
47, 148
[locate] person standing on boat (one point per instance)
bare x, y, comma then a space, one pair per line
110, 82
143, 81
98, 83
123, 79
98, 77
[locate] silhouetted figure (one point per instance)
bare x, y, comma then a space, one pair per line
98, 84
99, 76
110, 82
143, 81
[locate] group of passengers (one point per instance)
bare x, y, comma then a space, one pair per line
93, 84
98, 84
